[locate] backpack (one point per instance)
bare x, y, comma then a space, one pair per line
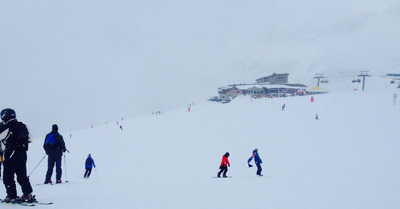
88, 161
17, 134
51, 140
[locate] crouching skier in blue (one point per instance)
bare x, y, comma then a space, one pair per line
89, 163
257, 161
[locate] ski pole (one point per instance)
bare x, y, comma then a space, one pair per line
95, 170
82, 172
65, 165
37, 165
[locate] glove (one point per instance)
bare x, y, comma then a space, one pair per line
250, 166
229, 165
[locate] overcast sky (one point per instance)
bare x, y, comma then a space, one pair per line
81, 63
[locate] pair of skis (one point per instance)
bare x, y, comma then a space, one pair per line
28, 204
222, 177
52, 183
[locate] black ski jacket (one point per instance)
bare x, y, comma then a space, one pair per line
17, 138
57, 149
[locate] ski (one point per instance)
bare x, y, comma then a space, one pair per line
52, 183
18, 204
28, 204
43, 203
44, 184
222, 177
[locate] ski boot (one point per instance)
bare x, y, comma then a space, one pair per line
28, 198
12, 200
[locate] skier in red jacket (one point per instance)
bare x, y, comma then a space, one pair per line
224, 165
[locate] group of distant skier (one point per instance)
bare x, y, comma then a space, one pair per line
13, 156
225, 164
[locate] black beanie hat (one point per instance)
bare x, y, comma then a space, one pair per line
55, 127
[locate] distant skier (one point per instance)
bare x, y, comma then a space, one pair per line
257, 161
316, 116
283, 107
224, 165
89, 163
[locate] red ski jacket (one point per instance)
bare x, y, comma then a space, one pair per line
225, 161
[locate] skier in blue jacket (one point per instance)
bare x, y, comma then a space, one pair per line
89, 163
257, 161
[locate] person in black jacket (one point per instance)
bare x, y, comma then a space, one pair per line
1, 144
1, 157
15, 157
54, 146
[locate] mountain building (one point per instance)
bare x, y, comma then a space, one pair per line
275, 85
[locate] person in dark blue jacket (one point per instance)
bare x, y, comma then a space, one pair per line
257, 161
54, 146
89, 163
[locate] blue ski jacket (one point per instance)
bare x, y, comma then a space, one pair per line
89, 163
256, 157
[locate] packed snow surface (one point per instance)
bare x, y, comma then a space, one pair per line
349, 158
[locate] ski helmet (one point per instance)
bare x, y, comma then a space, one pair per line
227, 154
7, 114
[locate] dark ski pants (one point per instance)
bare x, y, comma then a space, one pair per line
53, 160
87, 173
16, 165
224, 169
259, 169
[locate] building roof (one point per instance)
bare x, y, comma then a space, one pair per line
265, 85
274, 74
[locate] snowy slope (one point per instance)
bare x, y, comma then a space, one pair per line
347, 159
